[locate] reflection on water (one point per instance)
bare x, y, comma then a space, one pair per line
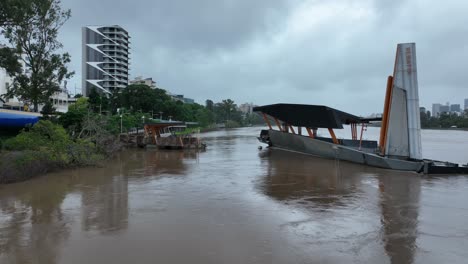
295, 176
32, 222
320, 184
235, 204
399, 200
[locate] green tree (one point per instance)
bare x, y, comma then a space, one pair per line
9, 60
227, 110
228, 107
204, 117
35, 39
48, 109
253, 119
12, 12
425, 118
136, 97
73, 118
98, 102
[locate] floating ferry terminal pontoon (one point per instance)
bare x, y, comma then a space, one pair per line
399, 147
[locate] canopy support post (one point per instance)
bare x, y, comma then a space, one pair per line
309, 131
278, 124
354, 131
267, 121
292, 129
333, 136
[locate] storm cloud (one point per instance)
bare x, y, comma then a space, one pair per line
335, 53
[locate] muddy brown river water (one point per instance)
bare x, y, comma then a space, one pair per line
236, 204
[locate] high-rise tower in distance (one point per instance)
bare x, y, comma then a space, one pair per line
105, 58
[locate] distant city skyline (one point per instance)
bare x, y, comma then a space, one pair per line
438, 108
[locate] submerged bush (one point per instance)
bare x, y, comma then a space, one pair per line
44, 147
22, 165
44, 134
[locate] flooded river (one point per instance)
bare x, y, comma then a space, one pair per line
236, 204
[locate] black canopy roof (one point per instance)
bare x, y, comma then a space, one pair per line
314, 116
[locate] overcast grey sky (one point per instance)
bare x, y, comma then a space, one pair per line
336, 53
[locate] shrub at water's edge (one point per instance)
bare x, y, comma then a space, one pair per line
43, 148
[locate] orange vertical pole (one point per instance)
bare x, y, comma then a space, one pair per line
311, 135
333, 136
354, 131
385, 117
278, 124
292, 129
266, 120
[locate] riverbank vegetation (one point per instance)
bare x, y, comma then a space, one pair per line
89, 132
445, 120
44, 147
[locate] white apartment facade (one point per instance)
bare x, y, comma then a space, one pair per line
105, 58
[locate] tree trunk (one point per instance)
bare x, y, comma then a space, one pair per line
36, 107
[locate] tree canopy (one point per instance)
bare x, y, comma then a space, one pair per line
33, 37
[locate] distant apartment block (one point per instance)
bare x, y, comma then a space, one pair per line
181, 98
455, 108
61, 100
466, 104
444, 109
145, 81
436, 109
246, 108
105, 58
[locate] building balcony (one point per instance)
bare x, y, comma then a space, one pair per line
111, 52
118, 74
115, 68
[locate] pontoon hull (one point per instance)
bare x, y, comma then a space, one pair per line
304, 144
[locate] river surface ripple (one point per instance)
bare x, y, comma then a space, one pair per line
236, 204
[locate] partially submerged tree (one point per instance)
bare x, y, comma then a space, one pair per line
35, 39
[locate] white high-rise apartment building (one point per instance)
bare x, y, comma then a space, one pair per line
105, 58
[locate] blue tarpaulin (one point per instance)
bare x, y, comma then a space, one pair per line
17, 120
